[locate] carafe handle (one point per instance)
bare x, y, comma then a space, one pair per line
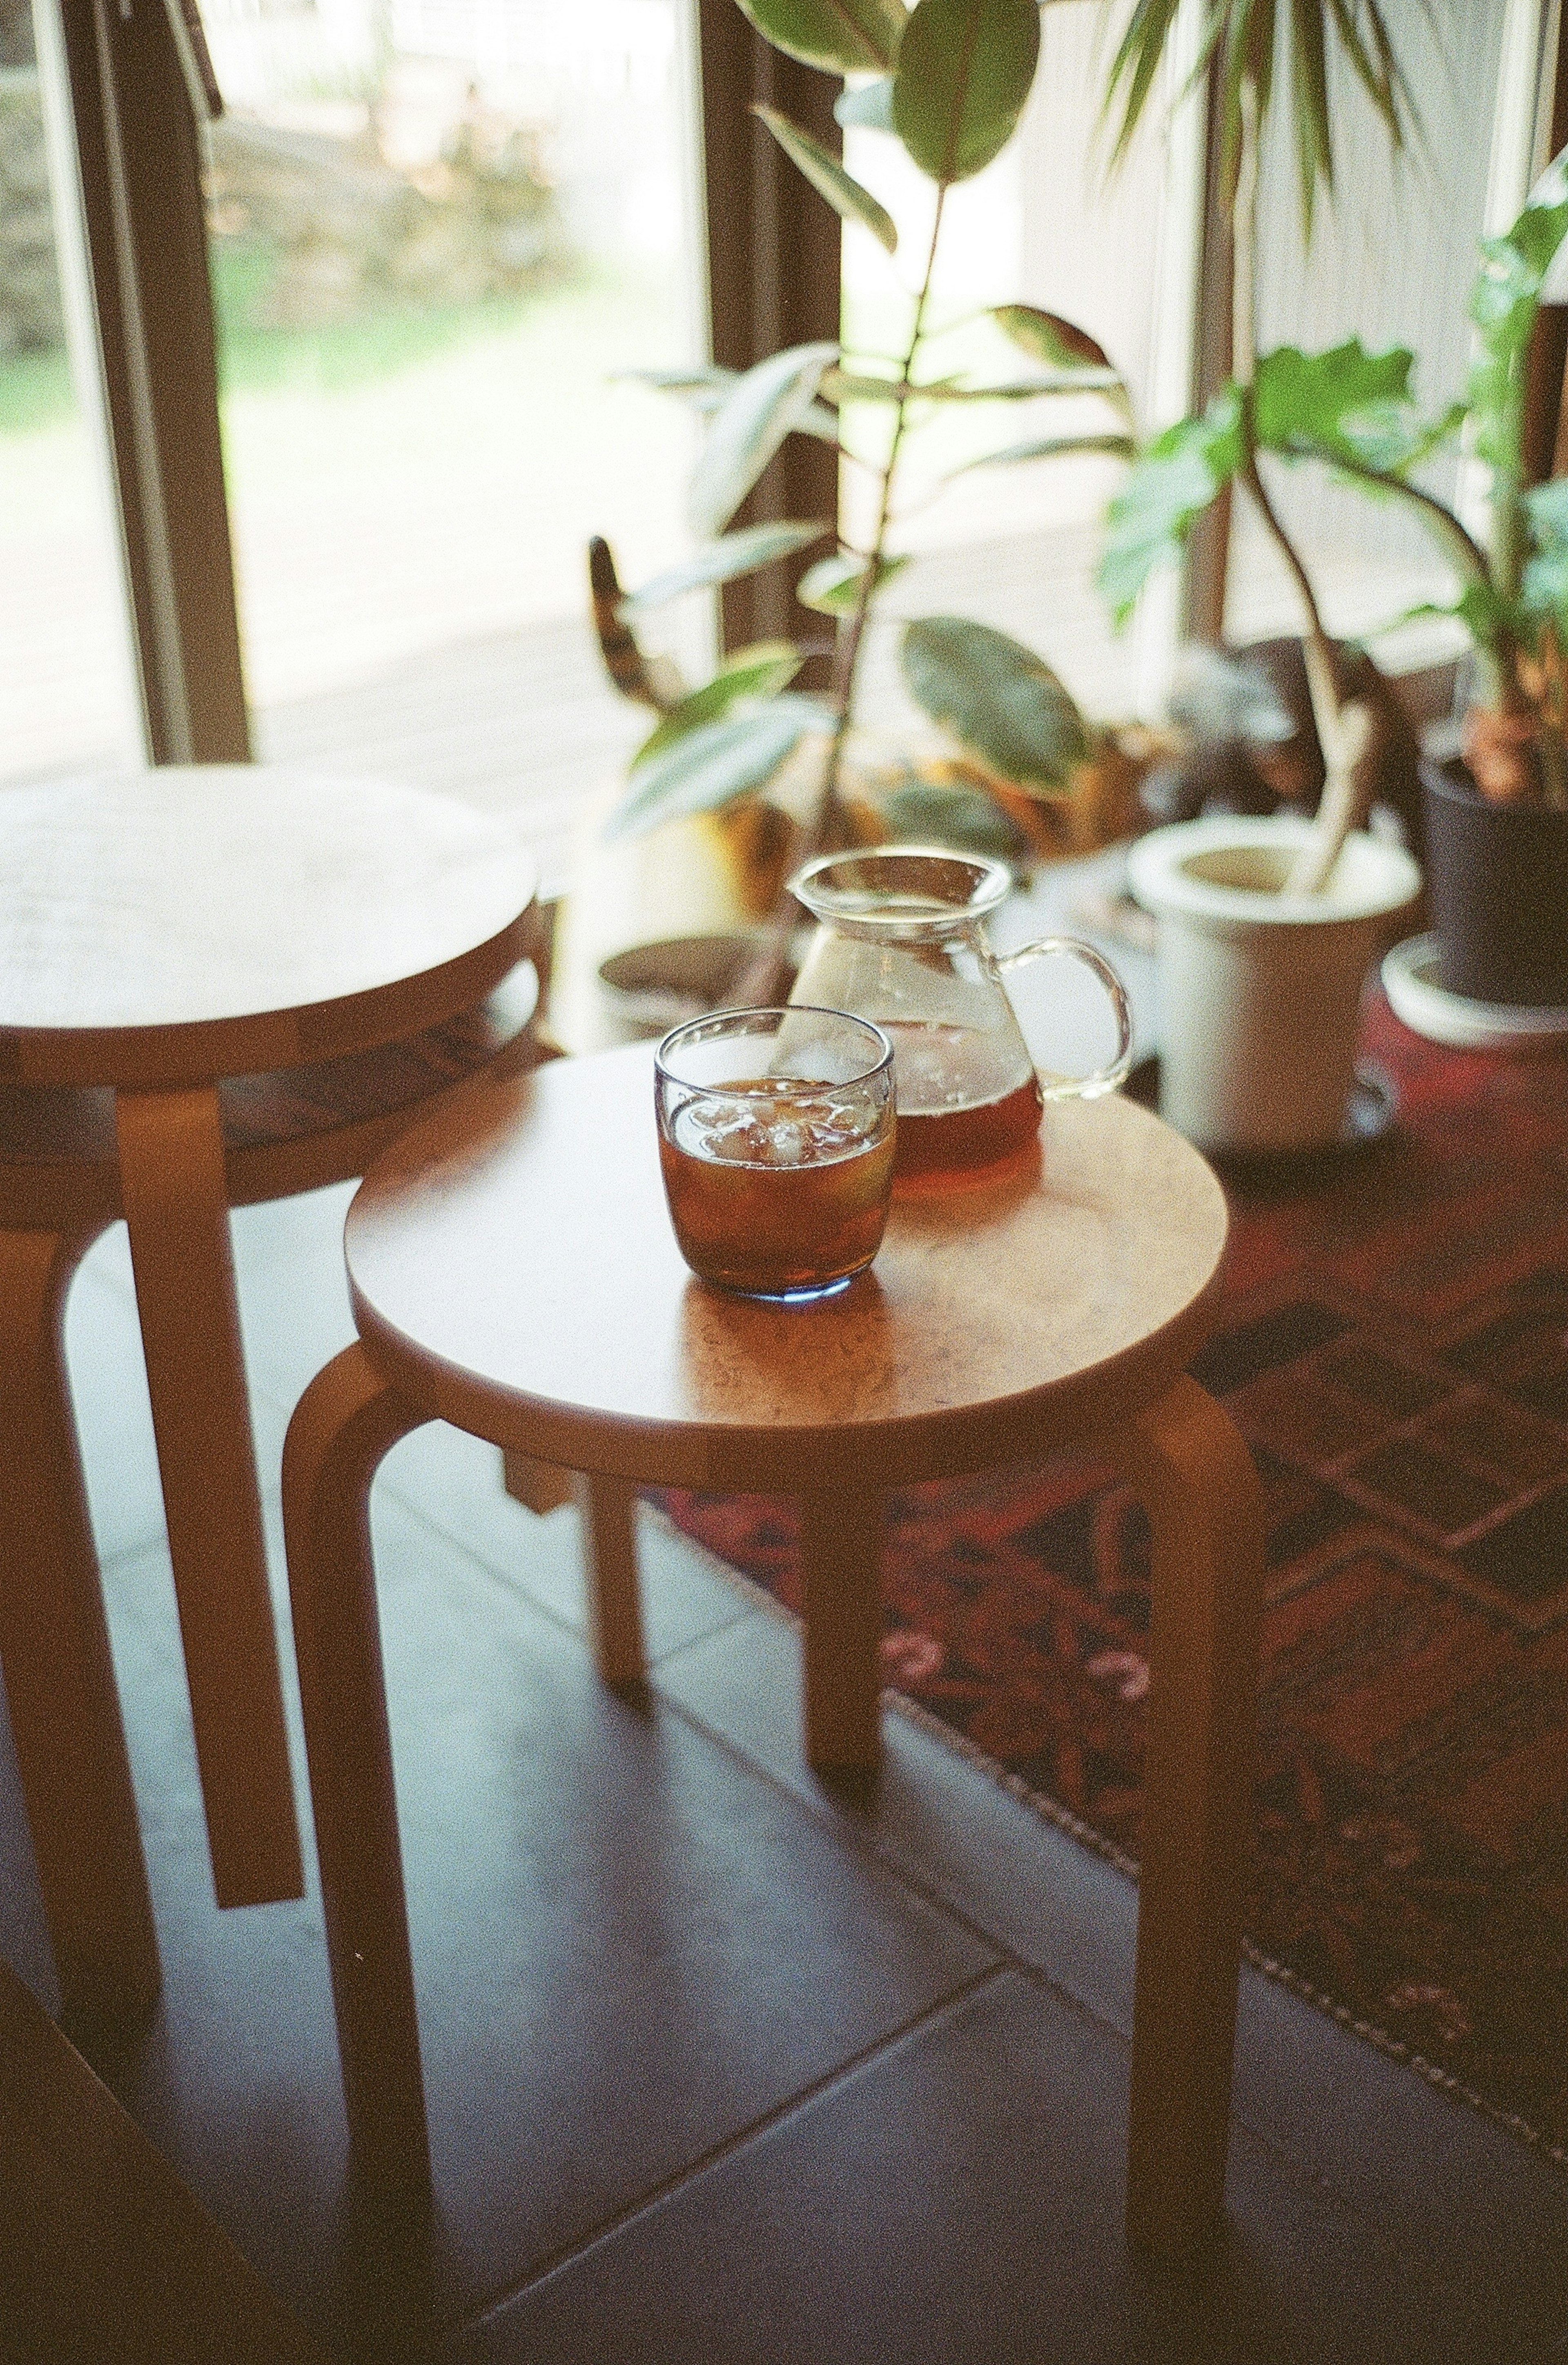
1102, 1080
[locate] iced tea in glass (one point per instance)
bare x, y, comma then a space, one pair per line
777, 1135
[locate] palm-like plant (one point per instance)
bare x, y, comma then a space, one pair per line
1244, 43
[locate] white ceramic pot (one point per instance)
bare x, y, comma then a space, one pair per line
1259, 993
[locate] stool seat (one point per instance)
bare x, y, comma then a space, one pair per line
285, 1130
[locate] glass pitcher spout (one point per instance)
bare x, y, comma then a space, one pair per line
901, 941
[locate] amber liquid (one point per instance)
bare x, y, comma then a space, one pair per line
959, 1106
780, 1199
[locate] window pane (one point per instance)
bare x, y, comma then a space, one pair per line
65, 693
440, 228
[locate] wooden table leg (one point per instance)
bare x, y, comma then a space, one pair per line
54, 1645
1196, 1479
346, 1420
607, 1509
841, 1572
170, 1154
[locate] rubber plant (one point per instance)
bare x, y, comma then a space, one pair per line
1345, 405
948, 79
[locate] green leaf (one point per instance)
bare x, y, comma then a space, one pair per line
859, 386
1172, 485
1240, 34
830, 180
720, 761
965, 69
704, 385
840, 36
723, 561
758, 412
1545, 589
920, 814
760, 671
871, 107
1046, 337
1051, 447
1346, 405
997, 697
833, 586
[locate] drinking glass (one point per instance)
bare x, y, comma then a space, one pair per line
776, 1141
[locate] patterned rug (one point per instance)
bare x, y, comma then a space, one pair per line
1395, 1348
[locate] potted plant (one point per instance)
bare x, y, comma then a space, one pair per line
1266, 925
949, 79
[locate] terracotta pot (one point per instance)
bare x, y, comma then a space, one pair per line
1497, 878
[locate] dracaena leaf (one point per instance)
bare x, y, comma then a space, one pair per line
711, 765
1170, 486
758, 410
996, 697
965, 68
840, 36
828, 177
760, 671
723, 561
833, 586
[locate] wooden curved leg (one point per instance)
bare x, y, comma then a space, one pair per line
54, 1645
607, 1509
1205, 1507
170, 1154
841, 1574
346, 1420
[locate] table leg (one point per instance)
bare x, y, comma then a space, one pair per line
841, 1569
1196, 1479
344, 1423
54, 1645
607, 1509
170, 1154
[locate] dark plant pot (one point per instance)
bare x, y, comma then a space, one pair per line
1497, 881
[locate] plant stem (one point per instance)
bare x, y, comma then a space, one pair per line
853, 634
1341, 750
765, 979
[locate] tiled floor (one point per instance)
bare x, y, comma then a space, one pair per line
721, 2066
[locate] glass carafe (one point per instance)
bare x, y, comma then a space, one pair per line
901, 941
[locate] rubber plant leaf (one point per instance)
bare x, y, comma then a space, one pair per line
760, 671
965, 69
833, 586
997, 697
840, 36
758, 412
716, 763
721, 562
859, 386
920, 814
828, 177
1051, 447
867, 108
704, 385
1170, 486
1061, 345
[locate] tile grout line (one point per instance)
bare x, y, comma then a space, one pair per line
805, 2098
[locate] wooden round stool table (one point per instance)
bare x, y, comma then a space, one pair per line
514, 1272
174, 936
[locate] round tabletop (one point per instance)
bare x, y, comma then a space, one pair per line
177, 926
514, 1271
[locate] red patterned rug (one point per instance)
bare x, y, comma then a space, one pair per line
1395, 1346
